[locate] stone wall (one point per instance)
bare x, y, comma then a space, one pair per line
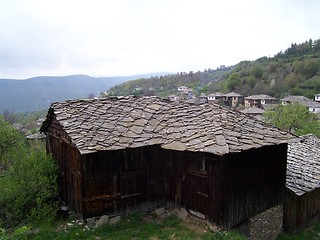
266, 225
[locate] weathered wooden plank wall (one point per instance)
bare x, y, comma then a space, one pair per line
190, 181
122, 181
301, 211
254, 181
69, 161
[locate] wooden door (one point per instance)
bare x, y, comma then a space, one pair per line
197, 187
133, 181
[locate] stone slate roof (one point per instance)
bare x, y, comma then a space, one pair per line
253, 110
233, 94
260, 97
129, 122
301, 100
37, 135
303, 166
216, 94
296, 99
313, 104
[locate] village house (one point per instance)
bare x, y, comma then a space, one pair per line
317, 97
185, 93
184, 89
302, 205
215, 96
199, 100
233, 99
260, 101
124, 154
295, 99
173, 97
36, 139
312, 106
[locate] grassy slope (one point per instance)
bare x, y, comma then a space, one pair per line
133, 227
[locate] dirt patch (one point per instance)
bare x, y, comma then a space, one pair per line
195, 228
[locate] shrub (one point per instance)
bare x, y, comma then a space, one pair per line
27, 185
9, 138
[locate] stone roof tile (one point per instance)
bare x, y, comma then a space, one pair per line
303, 165
120, 122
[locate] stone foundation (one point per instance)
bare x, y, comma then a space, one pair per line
266, 225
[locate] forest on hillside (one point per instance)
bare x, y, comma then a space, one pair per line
166, 85
295, 71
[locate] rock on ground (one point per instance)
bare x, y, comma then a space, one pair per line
102, 220
183, 214
160, 211
115, 220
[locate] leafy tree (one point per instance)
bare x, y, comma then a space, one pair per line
9, 139
294, 118
261, 88
28, 181
311, 67
316, 46
307, 68
291, 80
251, 81
257, 71
9, 116
232, 81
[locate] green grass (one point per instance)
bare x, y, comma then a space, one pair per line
134, 227
310, 233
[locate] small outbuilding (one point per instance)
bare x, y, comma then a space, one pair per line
37, 139
122, 154
302, 205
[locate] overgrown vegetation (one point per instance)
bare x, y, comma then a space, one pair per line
296, 71
27, 180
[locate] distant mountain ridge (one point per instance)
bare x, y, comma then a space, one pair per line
38, 93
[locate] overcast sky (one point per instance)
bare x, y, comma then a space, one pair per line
125, 37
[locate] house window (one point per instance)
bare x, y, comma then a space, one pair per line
133, 159
198, 167
198, 164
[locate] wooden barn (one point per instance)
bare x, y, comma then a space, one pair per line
302, 206
122, 154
